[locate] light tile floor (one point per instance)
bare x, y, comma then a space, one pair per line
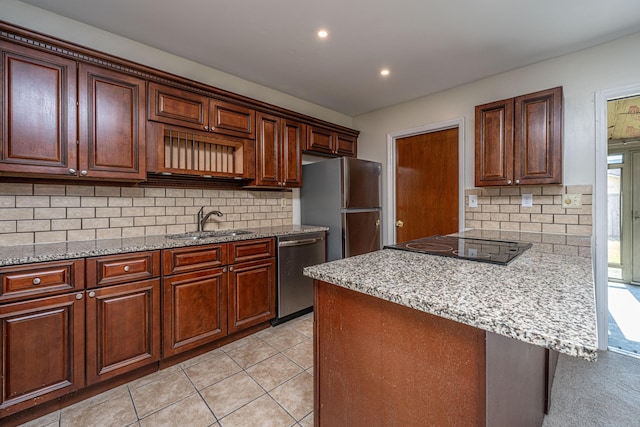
262, 380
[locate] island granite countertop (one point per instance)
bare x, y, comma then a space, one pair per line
544, 297
24, 254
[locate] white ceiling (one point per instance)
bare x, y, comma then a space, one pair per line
429, 45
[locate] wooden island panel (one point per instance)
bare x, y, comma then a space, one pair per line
377, 363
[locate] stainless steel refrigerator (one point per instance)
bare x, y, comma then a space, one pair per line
345, 195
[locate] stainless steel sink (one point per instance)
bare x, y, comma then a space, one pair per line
199, 235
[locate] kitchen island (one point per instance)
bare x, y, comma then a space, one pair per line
410, 339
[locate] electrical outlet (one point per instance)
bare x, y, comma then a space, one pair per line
473, 200
571, 201
283, 202
527, 200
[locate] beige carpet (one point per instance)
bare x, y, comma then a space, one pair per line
604, 393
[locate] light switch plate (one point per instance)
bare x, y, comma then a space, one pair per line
571, 201
527, 200
473, 200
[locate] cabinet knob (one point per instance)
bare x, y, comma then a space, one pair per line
36, 281
224, 270
127, 268
206, 128
83, 173
212, 128
92, 294
509, 182
399, 223
230, 268
517, 181
72, 171
78, 296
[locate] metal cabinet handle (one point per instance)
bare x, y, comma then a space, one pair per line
230, 268
72, 171
127, 268
206, 128
78, 296
517, 181
92, 294
36, 281
224, 270
83, 173
212, 129
399, 223
509, 182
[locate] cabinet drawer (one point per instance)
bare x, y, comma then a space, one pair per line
35, 280
251, 250
193, 258
122, 268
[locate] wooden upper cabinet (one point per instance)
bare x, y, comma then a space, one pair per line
112, 124
518, 141
38, 112
293, 140
327, 142
538, 138
278, 151
188, 109
494, 143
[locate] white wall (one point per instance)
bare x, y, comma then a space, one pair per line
37, 19
581, 74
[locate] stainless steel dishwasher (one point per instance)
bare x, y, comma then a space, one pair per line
295, 291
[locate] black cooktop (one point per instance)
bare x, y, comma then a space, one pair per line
492, 251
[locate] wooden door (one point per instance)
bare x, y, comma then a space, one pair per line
293, 139
427, 185
112, 124
38, 112
252, 290
537, 141
494, 143
42, 354
194, 309
268, 150
123, 328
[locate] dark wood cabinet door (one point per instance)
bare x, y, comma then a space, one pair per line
293, 140
268, 151
123, 328
494, 143
251, 294
538, 138
231, 119
112, 124
38, 112
346, 145
320, 140
194, 310
178, 107
42, 350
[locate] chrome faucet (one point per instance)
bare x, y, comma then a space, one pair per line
202, 217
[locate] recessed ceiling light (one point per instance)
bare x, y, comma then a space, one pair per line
323, 34
384, 72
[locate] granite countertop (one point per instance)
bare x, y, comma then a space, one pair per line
23, 254
544, 297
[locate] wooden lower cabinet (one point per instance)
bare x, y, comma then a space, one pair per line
194, 310
251, 294
123, 328
42, 350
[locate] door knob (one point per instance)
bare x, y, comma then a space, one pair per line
399, 223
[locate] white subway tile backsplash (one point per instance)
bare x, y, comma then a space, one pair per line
547, 215
52, 213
